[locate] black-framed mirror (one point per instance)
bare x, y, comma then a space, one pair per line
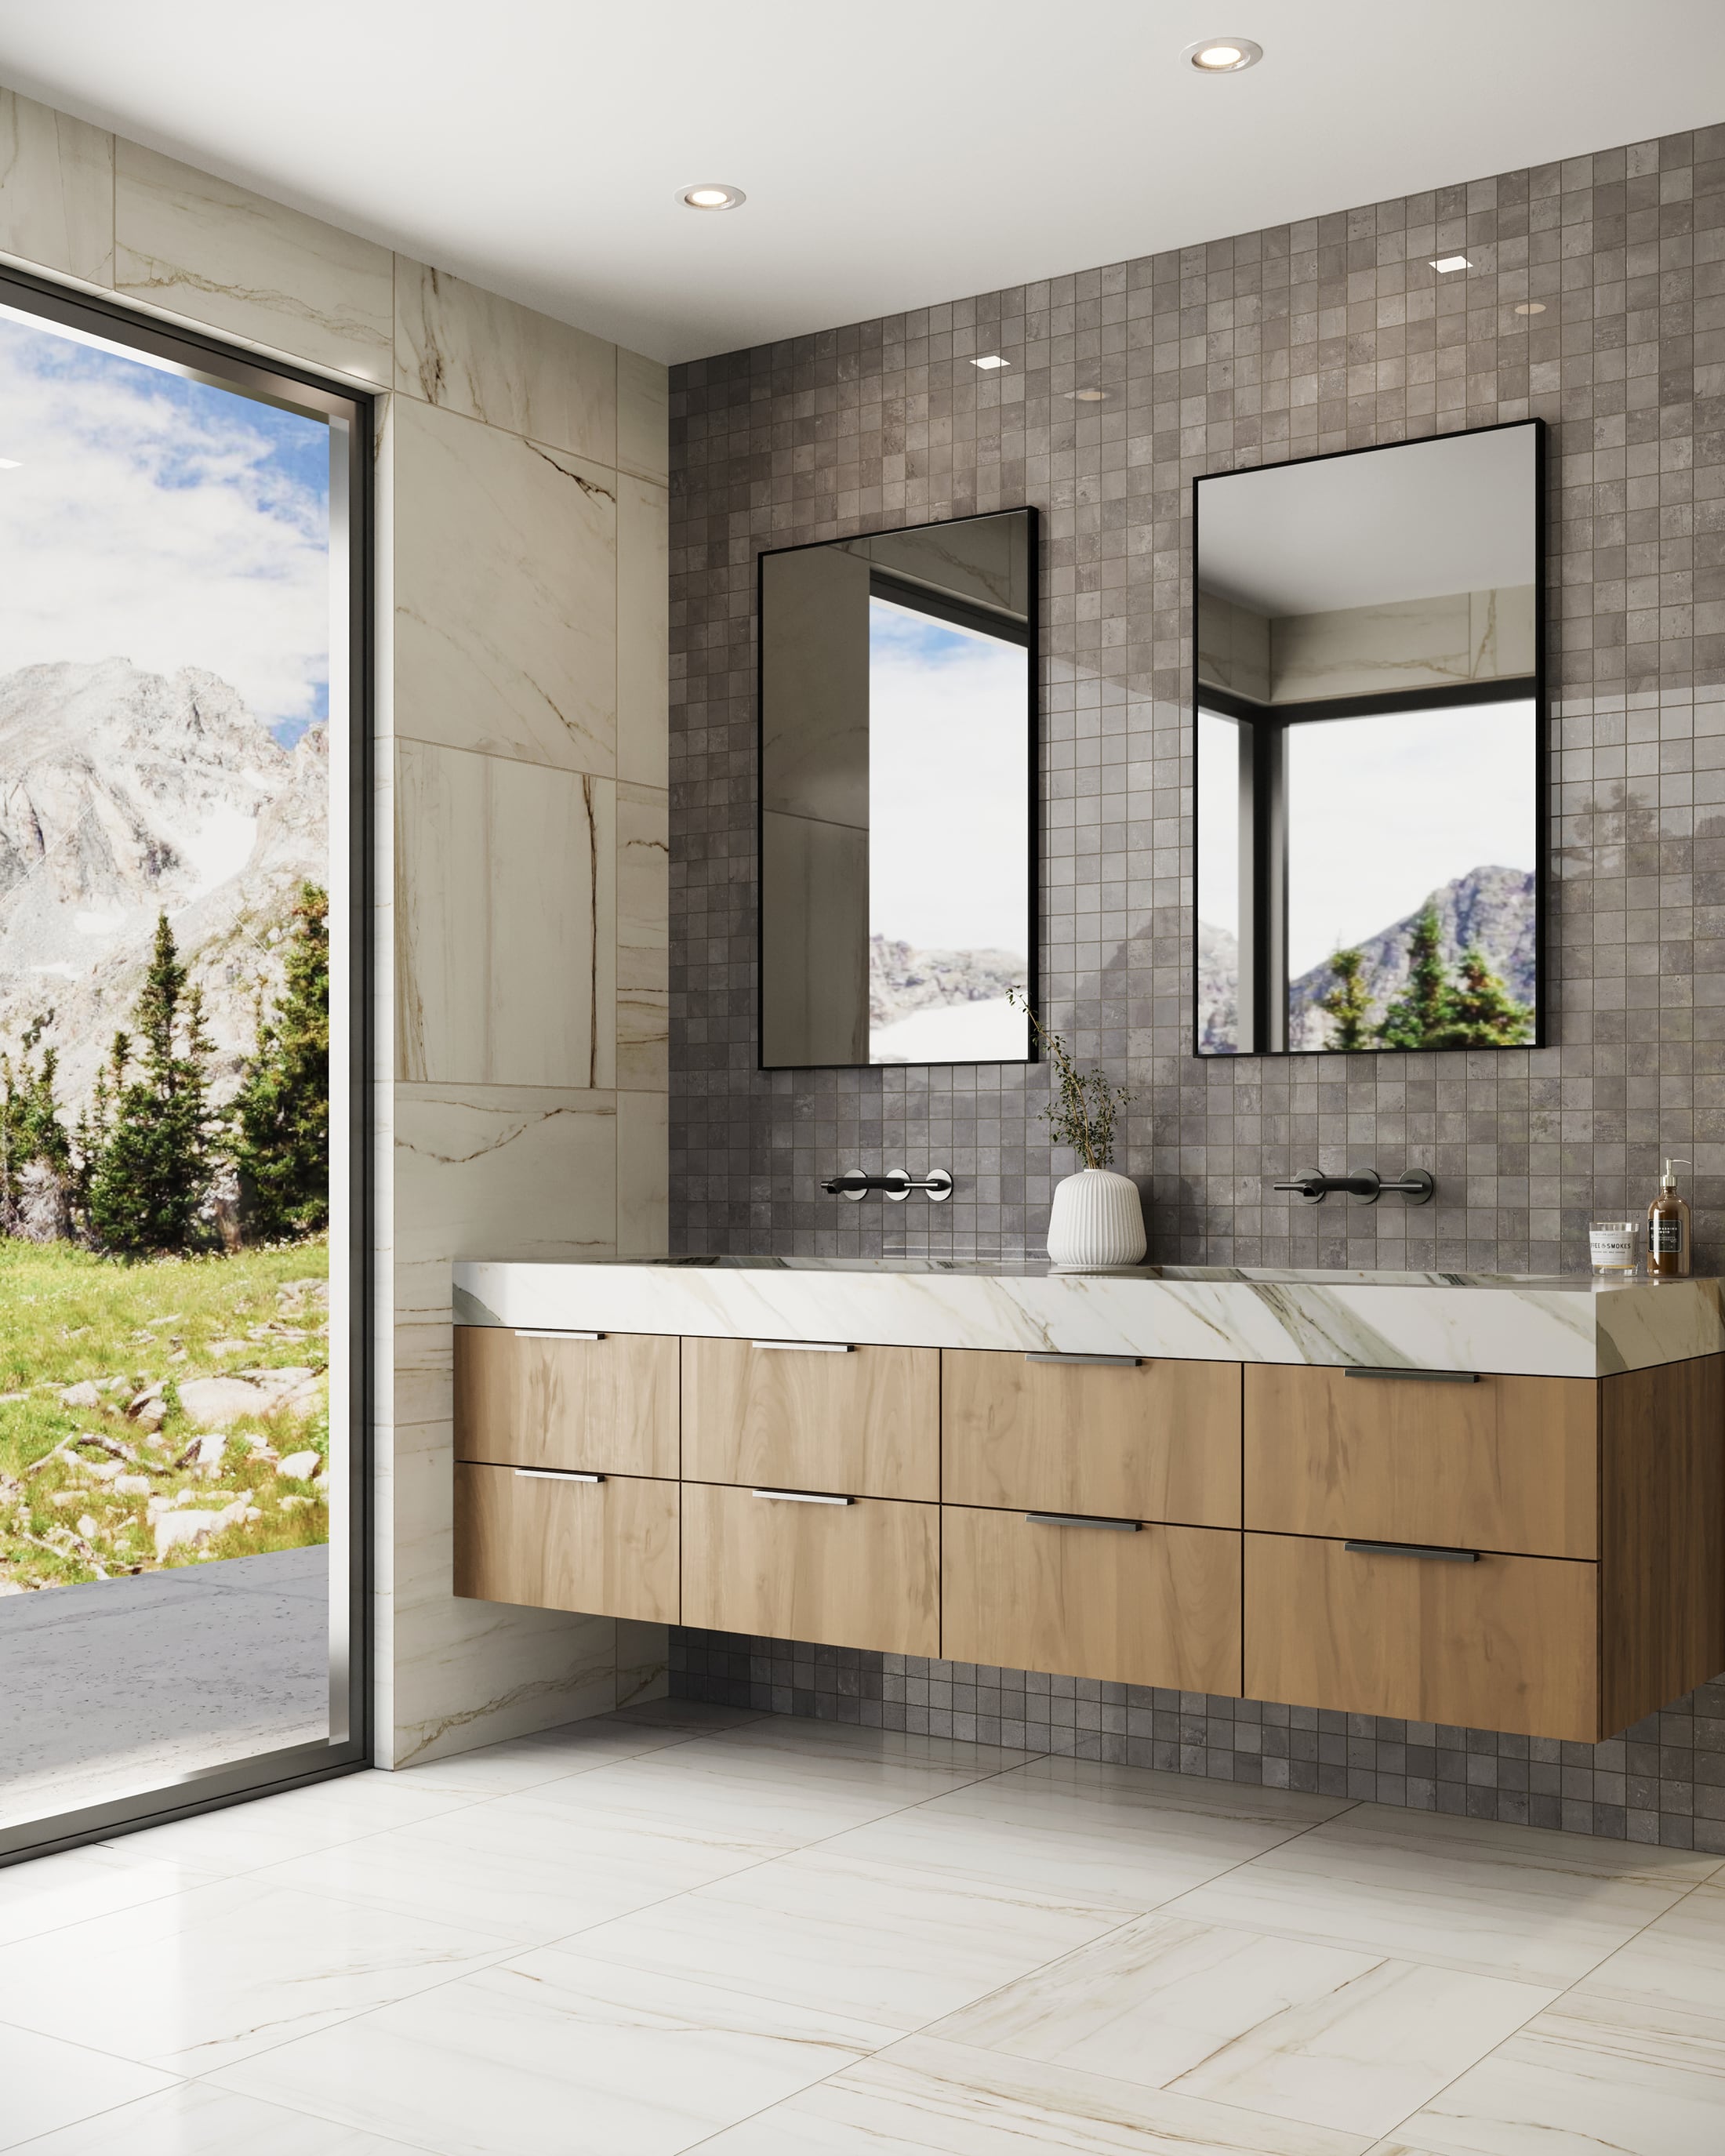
1370, 692
897, 833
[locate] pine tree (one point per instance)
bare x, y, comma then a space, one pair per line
151, 1175
31, 1133
1420, 1014
1348, 1001
1483, 1013
282, 1115
96, 1122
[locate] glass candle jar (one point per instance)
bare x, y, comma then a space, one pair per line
1615, 1246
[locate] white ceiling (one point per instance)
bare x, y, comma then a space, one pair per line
896, 153
1416, 521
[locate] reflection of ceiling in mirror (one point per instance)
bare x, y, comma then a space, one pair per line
1415, 520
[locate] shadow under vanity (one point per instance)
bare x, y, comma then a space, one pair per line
1493, 1503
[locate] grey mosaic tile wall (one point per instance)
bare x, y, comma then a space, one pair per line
1596, 300
1662, 1781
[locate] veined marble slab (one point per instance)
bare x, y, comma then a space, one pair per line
1562, 1326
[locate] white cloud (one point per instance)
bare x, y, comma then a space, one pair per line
132, 526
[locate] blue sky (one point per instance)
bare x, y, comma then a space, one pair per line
168, 521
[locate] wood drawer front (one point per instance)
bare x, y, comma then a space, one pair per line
606, 1406
1505, 1464
609, 1548
865, 1423
1508, 1643
862, 1574
1158, 1607
1157, 1442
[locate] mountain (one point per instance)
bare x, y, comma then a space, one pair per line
1488, 909
903, 979
124, 794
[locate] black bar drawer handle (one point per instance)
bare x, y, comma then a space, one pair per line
1081, 1520
801, 1497
556, 1475
1414, 1549
1090, 1362
1419, 1376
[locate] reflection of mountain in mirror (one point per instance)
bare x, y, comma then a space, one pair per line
897, 840
1368, 696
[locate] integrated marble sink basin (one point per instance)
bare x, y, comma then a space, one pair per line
1562, 1326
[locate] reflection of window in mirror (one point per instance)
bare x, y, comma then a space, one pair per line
1369, 816
897, 834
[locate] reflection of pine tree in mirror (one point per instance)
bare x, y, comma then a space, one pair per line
1471, 1009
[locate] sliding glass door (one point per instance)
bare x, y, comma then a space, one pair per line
182, 1058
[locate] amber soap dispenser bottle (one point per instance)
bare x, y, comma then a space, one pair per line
1668, 1231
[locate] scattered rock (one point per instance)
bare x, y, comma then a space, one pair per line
132, 1486
220, 1401
150, 1412
187, 1530
211, 1445
299, 1466
227, 1347
87, 1526
84, 1395
292, 1293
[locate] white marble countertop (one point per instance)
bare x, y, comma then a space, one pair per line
1564, 1326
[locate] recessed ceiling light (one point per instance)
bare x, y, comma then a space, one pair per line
1531, 307
1086, 395
1223, 55
989, 361
1446, 264
712, 194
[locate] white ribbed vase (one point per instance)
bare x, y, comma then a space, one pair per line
1096, 1219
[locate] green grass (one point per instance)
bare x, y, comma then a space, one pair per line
67, 1316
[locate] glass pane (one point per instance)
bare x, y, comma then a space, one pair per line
1406, 830
172, 909
944, 786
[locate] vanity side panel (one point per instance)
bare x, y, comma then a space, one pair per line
865, 1423
606, 1406
1507, 1463
1661, 1536
1159, 1442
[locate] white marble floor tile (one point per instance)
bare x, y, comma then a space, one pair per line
689, 1714
554, 2055
1540, 2096
893, 1947
1511, 1902
193, 2119
270, 1830
521, 1763
214, 1975
516, 1868
800, 1739
754, 1799
1660, 1998
46, 2083
1113, 1836
927, 2098
45, 1893
1314, 2032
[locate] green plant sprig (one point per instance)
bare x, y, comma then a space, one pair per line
1086, 1108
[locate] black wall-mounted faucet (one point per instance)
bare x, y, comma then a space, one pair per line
1414, 1186
897, 1183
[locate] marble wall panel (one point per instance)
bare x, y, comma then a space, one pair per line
642, 416
643, 938
506, 928
216, 254
643, 1175
642, 631
505, 615
56, 190
469, 350
502, 1170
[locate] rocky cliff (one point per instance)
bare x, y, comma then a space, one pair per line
124, 794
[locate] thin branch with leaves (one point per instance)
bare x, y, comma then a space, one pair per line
1087, 1104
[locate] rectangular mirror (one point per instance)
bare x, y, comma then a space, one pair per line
1370, 688
898, 829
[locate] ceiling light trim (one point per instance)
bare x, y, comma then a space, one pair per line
1446, 265
1232, 55
710, 195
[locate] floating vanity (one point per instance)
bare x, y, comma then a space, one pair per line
1491, 1501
